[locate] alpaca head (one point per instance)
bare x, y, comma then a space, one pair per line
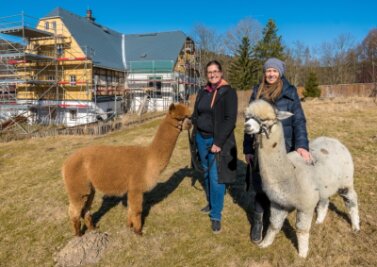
261, 115
182, 114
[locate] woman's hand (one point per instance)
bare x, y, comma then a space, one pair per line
306, 155
215, 149
249, 158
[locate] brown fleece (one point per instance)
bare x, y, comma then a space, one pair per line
116, 170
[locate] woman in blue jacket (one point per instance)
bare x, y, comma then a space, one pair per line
276, 89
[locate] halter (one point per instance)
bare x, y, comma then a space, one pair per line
179, 126
263, 129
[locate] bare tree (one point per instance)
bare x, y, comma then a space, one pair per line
298, 59
209, 42
338, 60
207, 39
367, 55
248, 27
327, 63
343, 45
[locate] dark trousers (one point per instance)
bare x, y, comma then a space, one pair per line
254, 184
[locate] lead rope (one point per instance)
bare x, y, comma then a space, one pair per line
256, 149
215, 154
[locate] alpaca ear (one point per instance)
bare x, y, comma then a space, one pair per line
282, 115
171, 107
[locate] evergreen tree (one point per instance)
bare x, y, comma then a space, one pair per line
269, 46
311, 86
241, 69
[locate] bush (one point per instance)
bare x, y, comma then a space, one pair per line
311, 86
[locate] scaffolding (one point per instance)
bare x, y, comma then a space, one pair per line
155, 84
47, 78
42, 74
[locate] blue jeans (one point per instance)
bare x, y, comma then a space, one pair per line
214, 191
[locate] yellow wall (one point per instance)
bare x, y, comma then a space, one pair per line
185, 57
50, 71
46, 70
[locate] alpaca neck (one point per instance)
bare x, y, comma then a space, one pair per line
163, 143
275, 167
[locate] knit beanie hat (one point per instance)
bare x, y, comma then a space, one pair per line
276, 64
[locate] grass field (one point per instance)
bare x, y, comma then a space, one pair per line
33, 204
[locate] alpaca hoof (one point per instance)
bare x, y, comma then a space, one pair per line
355, 228
93, 228
139, 233
264, 244
303, 254
78, 234
319, 221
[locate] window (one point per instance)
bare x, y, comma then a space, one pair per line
72, 80
156, 84
47, 25
73, 115
53, 25
51, 78
59, 49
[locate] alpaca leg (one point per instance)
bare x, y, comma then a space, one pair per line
88, 220
129, 215
78, 194
277, 218
74, 214
135, 205
303, 224
350, 199
322, 207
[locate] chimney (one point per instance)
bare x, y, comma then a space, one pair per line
89, 15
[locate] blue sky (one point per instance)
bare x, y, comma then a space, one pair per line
311, 22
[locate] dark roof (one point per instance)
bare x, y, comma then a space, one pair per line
103, 45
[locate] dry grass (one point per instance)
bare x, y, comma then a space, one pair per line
34, 222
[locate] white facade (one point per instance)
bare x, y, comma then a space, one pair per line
70, 113
158, 91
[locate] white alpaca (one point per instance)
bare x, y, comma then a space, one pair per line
291, 183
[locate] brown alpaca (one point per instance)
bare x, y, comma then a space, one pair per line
118, 170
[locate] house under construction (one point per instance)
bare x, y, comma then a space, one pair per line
70, 70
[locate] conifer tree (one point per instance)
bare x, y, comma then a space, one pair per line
241, 69
269, 46
311, 86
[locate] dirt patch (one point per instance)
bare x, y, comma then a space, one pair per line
87, 249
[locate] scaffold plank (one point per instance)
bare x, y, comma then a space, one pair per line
24, 31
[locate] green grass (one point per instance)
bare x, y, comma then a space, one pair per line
34, 223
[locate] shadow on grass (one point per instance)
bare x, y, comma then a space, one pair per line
163, 190
240, 193
290, 233
108, 202
159, 193
340, 213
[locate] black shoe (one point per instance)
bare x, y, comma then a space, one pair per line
206, 209
216, 226
257, 228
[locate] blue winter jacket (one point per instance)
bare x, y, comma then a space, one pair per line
295, 132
